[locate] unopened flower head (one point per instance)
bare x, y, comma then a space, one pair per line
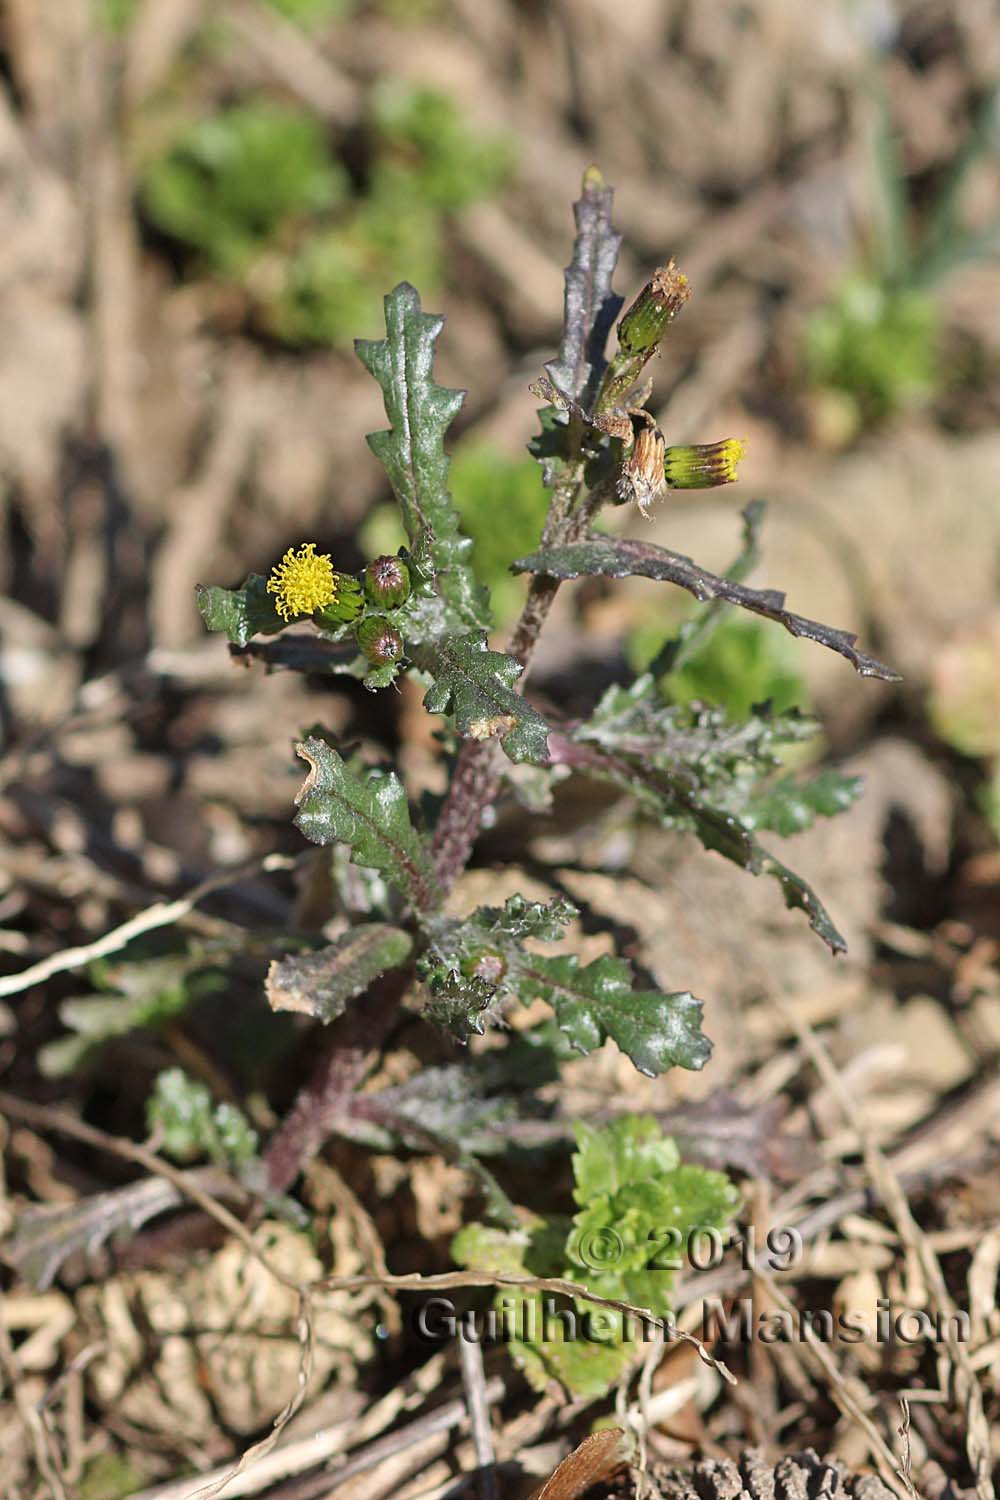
380, 641
702, 466
302, 582
387, 582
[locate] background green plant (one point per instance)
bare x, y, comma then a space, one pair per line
741, 664
143, 993
257, 194
631, 1191
878, 344
879, 341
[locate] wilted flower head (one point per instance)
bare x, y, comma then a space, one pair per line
642, 475
659, 302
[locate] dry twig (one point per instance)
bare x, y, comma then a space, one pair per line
160, 914
978, 1445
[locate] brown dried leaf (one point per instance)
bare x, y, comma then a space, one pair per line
320, 984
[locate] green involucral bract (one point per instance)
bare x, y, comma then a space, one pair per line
344, 608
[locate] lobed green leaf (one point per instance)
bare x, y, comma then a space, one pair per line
476, 685
412, 449
656, 1031
788, 806
626, 1151
624, 557
518, 919
713, 747
368, 811
240, 613
731, 763
671, 795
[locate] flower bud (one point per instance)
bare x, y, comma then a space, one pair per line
703, 465
387, 582
486, 964
645, 322
380, 641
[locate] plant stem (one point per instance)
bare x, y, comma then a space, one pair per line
353, 1049
359, 1035
478, 770
473, 786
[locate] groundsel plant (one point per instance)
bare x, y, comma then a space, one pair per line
424, 612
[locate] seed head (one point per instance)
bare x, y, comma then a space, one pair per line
641, 477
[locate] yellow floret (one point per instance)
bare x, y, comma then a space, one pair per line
731, 451
302, 582
702, 466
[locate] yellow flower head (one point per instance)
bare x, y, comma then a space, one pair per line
302, 582
702, 466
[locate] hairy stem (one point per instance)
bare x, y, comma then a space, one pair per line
473, 786
478, 770
358, 1036
353, 1049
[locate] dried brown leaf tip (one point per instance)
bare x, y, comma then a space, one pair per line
309, 785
